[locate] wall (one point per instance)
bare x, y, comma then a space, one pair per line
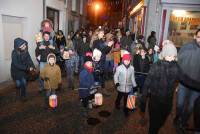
32, 13
59, 5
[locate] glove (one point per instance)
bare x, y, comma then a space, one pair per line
116, 85
46, 78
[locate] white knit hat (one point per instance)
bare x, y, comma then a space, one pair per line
169, 49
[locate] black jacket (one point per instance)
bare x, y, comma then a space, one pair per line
141, 65
21, 61
44, 52
161, 82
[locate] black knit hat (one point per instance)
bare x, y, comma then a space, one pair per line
87, 58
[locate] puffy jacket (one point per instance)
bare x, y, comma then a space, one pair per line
21, 61
125, 77
54, 75
86, 82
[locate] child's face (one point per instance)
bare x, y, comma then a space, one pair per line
142, 53
150, 51
46, 37
127, 62
89, 64
51, 61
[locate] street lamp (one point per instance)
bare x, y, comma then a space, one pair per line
96, 8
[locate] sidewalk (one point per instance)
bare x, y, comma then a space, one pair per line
6, 86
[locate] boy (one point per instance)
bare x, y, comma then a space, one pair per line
86, 83
51, 75
124, 80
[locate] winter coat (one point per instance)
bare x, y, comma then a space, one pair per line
126, 42
44, 52
125, 77
141, 65
86, 82
60, 41
161, 82
21, 61
54, 75
188, 60
152, 41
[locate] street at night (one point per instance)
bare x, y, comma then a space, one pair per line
99, 67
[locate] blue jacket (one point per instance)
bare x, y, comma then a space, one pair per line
86, 82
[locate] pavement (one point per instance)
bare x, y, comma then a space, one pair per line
32, 117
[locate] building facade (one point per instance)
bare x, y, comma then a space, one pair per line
22, 19
175, 20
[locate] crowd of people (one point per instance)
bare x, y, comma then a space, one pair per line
96, 55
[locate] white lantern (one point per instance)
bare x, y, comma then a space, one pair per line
98, 99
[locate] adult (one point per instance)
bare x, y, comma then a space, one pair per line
20, 66
152, 39
188, 60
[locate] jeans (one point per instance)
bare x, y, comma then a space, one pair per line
81, 62
41, 82
21, 86
119, 97
185, 102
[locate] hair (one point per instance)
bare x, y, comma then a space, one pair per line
198, 30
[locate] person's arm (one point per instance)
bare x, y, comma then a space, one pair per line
116, 76
183, 78
133, 78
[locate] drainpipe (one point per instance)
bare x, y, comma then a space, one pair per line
44, 9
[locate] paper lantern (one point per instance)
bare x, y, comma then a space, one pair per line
131, 102
53, 101
98, 99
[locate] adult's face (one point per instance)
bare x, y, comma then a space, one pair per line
197, 37
101, 34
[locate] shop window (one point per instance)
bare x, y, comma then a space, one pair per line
182, 26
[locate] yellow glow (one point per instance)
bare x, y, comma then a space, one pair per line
179, 13
97, 6
136, 8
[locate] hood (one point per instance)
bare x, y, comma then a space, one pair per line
51, 55
19, 42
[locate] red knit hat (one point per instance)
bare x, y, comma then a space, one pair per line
126, 57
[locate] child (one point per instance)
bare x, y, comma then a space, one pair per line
159, 85
20, 65
124, 80
86, 83
51, 75
71, 66
141, 65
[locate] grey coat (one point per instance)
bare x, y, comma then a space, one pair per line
125, 77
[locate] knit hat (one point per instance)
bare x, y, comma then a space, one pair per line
169, 50
126, 57
96, 56
87, 58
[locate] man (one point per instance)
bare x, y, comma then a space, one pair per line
188, 60
126, 41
